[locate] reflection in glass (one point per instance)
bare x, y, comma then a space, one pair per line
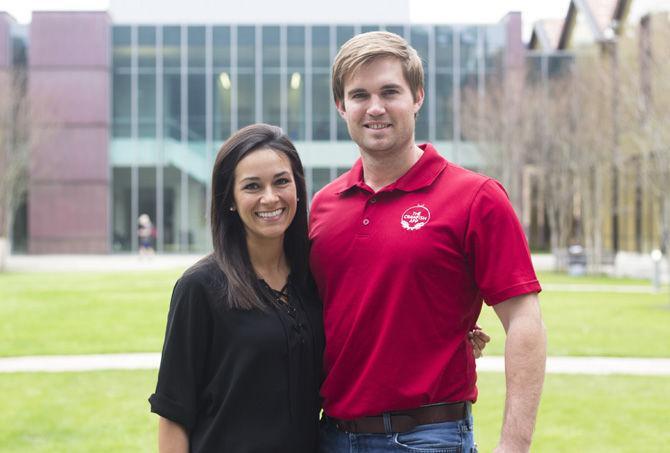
221, 107
146, 202
468, 50
121, 105
171, 207
444, 121
444, 52
270, 46
321, 47
469, 85
196, 47
419, 40
321, 107
246, 50
295, 107
271, 99
146, 105
196, 107
146, 47
221, 47
494, 48
197, 235
397, 29
172, 47
172, 106
121, 206
295, 52
246, 99
121, 43
320, 177
344, 34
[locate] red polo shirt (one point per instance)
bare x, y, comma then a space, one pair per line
402, 274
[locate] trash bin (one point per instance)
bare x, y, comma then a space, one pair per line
576, 260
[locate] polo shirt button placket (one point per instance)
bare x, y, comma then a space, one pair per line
366, 222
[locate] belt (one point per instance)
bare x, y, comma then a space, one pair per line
402, 421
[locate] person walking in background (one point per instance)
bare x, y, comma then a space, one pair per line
146, 234
405, 247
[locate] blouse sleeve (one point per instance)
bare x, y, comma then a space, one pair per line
180, 376
497, 246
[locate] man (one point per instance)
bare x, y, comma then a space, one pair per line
405, 246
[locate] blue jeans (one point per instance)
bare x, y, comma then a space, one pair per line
445, 437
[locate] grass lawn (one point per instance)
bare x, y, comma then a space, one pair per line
607, 414
77, 412
596, 323
108, 412
69, 313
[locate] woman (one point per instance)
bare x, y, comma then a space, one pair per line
242, 352
240, 370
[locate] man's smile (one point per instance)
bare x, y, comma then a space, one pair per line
377, 126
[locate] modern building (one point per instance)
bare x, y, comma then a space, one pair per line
137, 106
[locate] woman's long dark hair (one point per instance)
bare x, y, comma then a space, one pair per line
243, 289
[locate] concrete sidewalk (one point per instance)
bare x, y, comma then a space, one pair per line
99, 263
150, 361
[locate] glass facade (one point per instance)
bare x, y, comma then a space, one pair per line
180, 90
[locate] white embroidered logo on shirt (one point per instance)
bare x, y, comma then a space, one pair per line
415, 217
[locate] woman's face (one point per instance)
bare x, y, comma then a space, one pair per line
265, 194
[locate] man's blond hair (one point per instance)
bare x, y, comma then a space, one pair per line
364, 48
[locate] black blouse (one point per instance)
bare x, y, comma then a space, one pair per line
240, 380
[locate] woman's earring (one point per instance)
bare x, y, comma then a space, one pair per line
232, 208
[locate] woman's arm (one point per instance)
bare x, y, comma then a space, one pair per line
172, 437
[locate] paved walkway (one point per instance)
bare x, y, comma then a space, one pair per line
150, 361
98, 263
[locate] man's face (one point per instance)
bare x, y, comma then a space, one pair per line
379, 108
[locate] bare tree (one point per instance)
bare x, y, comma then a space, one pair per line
650, 106
528, 126
18, 135
597, 140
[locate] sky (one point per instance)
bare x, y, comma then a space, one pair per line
422, 11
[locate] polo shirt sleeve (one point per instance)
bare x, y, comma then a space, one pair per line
182, 365
496, 246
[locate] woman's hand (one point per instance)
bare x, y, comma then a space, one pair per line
478, 338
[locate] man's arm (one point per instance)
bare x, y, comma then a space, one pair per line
525, 357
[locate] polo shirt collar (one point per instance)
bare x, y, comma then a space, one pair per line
420, 175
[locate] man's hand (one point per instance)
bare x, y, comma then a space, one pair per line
478, 338
525, 358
